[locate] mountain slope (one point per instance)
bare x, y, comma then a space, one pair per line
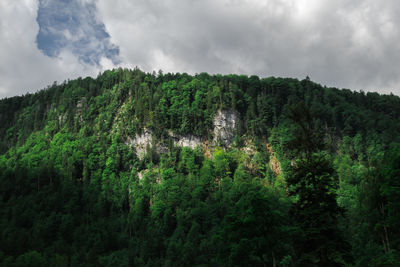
172, 169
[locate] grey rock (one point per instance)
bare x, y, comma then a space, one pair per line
225, 122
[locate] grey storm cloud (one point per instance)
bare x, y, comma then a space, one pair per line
341, 43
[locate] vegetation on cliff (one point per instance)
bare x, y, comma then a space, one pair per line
278, 172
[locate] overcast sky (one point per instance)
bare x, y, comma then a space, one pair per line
346, 44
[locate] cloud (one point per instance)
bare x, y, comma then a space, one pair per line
24, 68
350, 44
73, 25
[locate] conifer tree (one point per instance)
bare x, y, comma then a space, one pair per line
313, 182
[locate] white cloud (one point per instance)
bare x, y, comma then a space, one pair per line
352, 44
338, 43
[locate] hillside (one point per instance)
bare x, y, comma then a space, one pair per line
153, 169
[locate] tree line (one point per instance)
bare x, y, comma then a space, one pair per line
73, 193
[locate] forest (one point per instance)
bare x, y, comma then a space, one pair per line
305, 175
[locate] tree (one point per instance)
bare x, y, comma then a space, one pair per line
378, 212
312, 182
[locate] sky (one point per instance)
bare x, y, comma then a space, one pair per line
344, 44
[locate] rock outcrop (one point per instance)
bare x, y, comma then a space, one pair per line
274, 163
191, 141
140, 142
145, 140
225, 122
224, 131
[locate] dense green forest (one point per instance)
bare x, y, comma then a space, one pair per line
306, 175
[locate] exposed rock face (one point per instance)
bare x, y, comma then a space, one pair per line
224, 132
224, 126
274, 163
144, 140
188, 140
80, 107
140, 142
81, 103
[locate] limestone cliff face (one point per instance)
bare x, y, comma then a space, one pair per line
140, 142
224, 131
191, 141
144, 140
80, 108
224, 127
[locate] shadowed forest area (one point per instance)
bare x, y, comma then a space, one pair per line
308, 176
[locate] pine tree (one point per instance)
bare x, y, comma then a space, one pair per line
313, 182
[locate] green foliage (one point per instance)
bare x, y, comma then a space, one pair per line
74, 192
312, 180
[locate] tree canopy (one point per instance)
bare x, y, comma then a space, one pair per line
310, 177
